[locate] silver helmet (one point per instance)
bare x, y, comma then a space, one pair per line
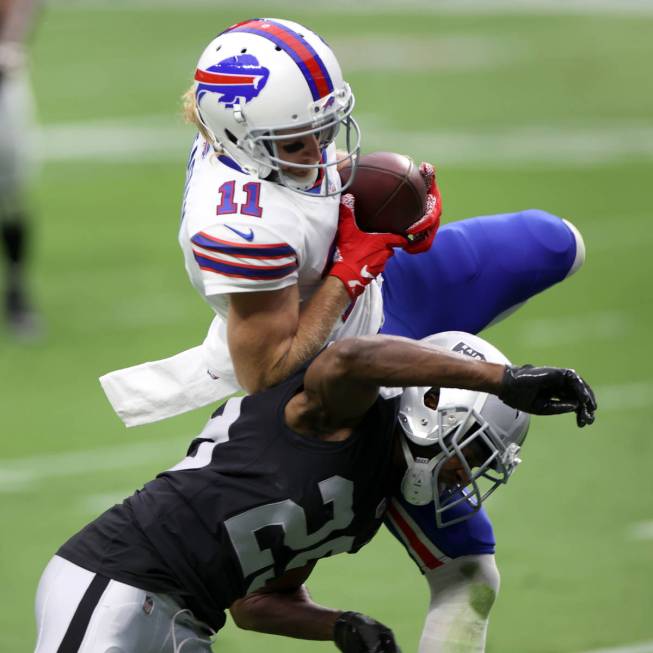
477, 429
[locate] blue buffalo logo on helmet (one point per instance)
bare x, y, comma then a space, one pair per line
237, 80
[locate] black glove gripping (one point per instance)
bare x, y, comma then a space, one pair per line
548, 391
355, 633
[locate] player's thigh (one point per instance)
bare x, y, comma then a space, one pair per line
431, 546
478, 270
79, 611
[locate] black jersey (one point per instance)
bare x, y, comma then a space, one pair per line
251, 500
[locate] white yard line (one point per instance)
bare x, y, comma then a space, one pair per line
642, 531
565, 330
114, 141
575, 145
643, 647
633, 8
94, 504
600, 234
542, 145
25, 473
453, 52
627, 396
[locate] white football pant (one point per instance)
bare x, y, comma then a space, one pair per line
80, 611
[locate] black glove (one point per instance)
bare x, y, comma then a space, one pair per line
355, 633
548, 391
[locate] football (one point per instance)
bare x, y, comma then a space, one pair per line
389, 192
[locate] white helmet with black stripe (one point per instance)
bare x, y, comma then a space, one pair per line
477, 429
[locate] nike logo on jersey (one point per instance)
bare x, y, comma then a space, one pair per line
247, 236
365, 273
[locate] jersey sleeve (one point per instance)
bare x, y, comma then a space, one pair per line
243, 256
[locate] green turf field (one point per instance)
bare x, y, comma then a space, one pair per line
517, 111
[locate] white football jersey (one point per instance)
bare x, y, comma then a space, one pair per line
242, 234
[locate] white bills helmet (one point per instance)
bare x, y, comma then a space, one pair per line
263, 79
459, 421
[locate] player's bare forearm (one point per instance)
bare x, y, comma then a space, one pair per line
291, 614
397, 361
343, 381
345, 378
270, 337
317, 319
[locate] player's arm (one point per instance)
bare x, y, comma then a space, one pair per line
284, 607
270, 336
343, 381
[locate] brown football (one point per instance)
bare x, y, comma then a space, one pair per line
389, 192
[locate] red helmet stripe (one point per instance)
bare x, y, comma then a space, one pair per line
222, 78
300, 51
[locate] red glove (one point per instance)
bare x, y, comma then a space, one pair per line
421, 234
360, 256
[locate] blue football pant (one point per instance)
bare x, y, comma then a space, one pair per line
478, 271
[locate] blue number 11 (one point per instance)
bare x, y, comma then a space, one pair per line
251, 206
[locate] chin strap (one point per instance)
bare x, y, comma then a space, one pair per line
299, 183
417, 485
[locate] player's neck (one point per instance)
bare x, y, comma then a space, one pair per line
302, 417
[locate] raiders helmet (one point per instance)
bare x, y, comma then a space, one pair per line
459, 422
264, 79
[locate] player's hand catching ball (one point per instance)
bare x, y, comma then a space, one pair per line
357, 633
360, 256
421, 234
548, 391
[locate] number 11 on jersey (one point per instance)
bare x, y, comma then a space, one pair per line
251, 206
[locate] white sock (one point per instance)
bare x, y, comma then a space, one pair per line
462, 594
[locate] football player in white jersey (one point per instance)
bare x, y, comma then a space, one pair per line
16, 118
260, 220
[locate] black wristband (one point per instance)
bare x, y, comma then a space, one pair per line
344, 628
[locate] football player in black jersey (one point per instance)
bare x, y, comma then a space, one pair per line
278, 480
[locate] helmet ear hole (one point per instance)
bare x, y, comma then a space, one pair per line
432, 398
